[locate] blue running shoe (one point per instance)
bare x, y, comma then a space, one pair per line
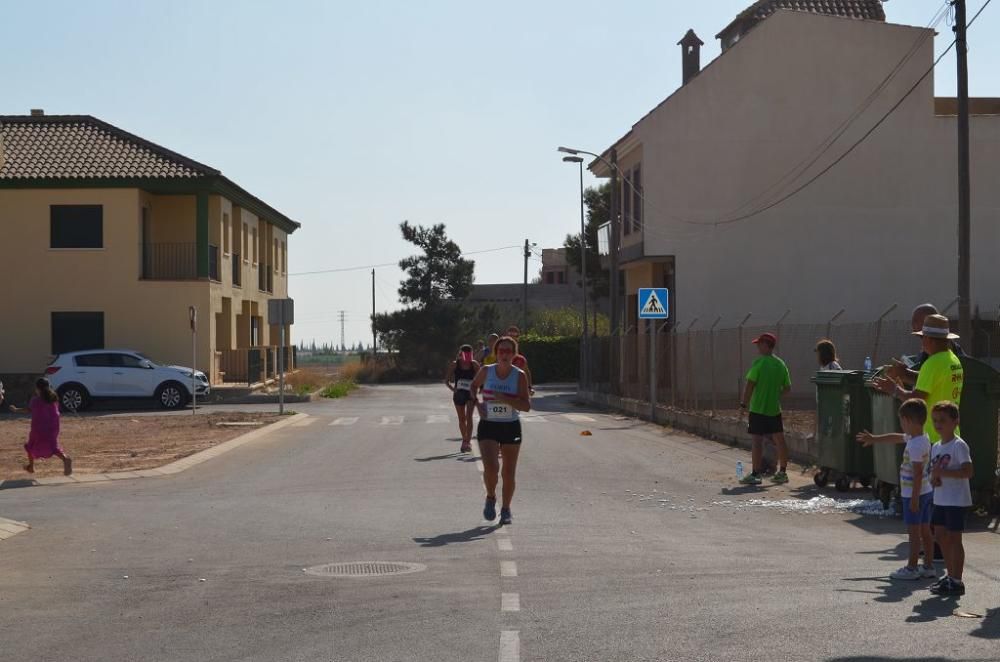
490, 510
505, 516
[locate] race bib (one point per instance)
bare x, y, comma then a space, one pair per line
499, 411
463, 385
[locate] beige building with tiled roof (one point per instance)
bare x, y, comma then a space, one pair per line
109, 238
740, 208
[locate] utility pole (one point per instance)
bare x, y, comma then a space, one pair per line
343, 314
964, 186
374, 338
613, 247
524, 298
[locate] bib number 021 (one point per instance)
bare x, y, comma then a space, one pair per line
499, 411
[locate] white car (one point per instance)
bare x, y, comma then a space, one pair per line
78, 377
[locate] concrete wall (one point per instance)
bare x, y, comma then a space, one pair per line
877, 229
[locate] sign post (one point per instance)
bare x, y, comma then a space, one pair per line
193, 319
281, 312
654, 302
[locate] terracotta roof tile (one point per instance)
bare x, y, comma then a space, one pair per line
758, 11
81, 146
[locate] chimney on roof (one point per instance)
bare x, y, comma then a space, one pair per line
37, 112
690, 55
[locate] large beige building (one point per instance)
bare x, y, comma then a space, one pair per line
797, 84
108, 239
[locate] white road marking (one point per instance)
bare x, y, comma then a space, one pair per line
510, 646
508, 569
580, 418
502, 531
438, 418
478, 455
391, 420
345, 420
304, 422
510, 602
504, 544
534, 419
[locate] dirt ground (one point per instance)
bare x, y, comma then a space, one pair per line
801, 421
122, 443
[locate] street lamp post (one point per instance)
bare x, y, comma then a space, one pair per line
583, 270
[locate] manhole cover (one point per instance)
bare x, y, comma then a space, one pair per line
364, 569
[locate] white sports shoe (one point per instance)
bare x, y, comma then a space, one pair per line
907, 573
928, 572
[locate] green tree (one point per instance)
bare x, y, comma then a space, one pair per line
563, 322
597, 200
440, 274
425, 334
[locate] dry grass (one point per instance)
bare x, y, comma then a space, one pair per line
311, 378
102, 444
365, 373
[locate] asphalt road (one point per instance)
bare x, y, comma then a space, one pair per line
621, 549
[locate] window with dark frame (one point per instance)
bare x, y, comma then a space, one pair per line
77, 331
626, 206
637, 198
76, 226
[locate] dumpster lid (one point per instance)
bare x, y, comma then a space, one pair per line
839, 377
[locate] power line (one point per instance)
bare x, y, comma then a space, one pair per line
391, 264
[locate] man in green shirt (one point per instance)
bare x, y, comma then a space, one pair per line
941, 376
767, 381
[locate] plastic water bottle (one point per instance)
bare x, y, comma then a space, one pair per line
868, 364
739, 471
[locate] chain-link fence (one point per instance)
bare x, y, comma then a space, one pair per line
705, 368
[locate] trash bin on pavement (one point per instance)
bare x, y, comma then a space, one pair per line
887, 457
843, 409
980, 398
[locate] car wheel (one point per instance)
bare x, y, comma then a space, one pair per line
74, 397
171, 395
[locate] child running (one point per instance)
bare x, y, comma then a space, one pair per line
43, 440
951, 469
914, 484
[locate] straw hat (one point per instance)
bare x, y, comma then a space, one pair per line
936, 326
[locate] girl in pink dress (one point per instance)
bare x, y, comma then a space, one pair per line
43, 440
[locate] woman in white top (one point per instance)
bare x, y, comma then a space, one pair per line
826, 354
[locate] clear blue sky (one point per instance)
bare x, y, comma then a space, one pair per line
351, 117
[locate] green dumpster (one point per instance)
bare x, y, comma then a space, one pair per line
843, 409
980, 396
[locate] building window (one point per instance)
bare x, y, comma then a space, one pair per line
73, 332
637, 198
284, 258
225, 234
246, 238
549, 278
274, 255
76, 226
256, 249
562, 278
626, 206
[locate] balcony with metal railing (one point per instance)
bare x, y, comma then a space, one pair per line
176, 261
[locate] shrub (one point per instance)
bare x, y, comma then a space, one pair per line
339, 389
551, 358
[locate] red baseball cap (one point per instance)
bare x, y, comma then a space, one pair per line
769, 338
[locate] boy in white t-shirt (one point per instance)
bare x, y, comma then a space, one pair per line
951, 469
914, 485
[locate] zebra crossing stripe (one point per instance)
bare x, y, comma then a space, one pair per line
391, 420
438, 418
580, 418
345, 420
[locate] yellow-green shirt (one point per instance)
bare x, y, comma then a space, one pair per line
490, 359
770, 377
940, 377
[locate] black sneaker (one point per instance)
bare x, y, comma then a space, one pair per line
939, 584
490, 510
953, 587
505, 517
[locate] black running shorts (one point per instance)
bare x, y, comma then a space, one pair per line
504, 433
461, 398
761, 425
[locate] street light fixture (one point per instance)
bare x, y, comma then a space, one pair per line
583, 258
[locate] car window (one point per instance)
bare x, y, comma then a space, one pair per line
129, 361
95, 360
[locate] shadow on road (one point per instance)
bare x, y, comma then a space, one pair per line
990, 628
898, 553
879, 658
469, 535
461, 457
932, 608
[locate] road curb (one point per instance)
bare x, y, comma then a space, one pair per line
174, 467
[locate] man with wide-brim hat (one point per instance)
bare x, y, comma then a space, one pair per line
941, 376
899, 369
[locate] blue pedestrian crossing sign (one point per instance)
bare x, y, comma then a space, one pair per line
654, 302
